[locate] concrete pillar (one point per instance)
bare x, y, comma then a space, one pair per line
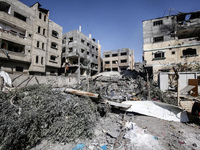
90, 35
80, 28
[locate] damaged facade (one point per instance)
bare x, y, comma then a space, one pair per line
30, 42
171, 40
118, 60
81, 52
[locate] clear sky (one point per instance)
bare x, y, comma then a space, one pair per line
116, 23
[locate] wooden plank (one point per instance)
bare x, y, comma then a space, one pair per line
187, 89
83, 93
121, 105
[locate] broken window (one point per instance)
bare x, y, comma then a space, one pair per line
54, 34
114, 55
158, 39
54, 45
173, 52
82, 41
189, 52
38, 29
4, 7
123, 61
107, 55
11, 46
19, 16
64, 49
36, 59
40, 15
157, 23
42, 60
88, 44
159, 55
82, 50
70, 39
70, 49
107, 62
52, 57
115, 62
123, 54
38, 44
43, 31
19, 69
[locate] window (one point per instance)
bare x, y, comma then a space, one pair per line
70, 50
114, 55
173, 52
92, 55
157, 23
45, 18
123, 54
38, 29
123, 61
92, 47
38, 44
40, 15
42, 45
54, 45
19, 69
54, 34
96, 57
52, 57
82, 50
82, 41
64, 49
158, 55
88, 53
114, 61
158, 39
42, 60
189, 52
43, 31
36, 59
107, 55
70, 39
19, 16
88, 44
107, 62
96, 49
114, 69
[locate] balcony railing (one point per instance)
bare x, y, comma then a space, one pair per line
14, 33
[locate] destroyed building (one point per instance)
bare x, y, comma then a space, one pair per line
81, 52
171, 40
30, 42
118, 60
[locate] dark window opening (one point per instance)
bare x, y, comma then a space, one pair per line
40, 15
54, 45
42, 45
114, 55
123, 61
108, 69
159, 55
36, 59
4, 6
82, 41
88, 44
19, 69
38, 29
54, 34
70, 50
71, 39
82, 50
38, 44
92, 47
96, 57
157, 23
43, 31
45, 18
88, 53
13, 32
52, 57
92, 55
114, 61
107, 55
189, 52
107, 62
173, 52
11, 46
64, 49
114, 69
123, 54
42, 60
19, 16
158, 39
97, 49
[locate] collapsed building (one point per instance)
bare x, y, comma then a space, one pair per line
118, 60
30, 42
171, 40
81, 53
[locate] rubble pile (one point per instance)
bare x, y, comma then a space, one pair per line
30, 114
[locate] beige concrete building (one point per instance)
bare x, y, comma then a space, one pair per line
81, 52
118, 60
30, 42
171, 40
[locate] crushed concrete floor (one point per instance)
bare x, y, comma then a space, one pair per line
42, 118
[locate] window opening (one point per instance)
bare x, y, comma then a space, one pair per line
157, 23
37, 58
123, 61
107, 55
107, 62
19, 69
54, 33
123, 54
158, 39
43, 31
70, 39
173, 52
52, 57
40, 15
54, 45
38, 29
70, 50
42, 60
38, 44
114, 55
82, 50
19, 16
189, 52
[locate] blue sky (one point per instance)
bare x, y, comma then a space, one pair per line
116, 23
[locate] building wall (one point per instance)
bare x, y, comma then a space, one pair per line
114, 60
166, 44
24, 37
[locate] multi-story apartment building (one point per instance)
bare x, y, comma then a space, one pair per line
30, 42
81, 52
171, 40
118, 60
